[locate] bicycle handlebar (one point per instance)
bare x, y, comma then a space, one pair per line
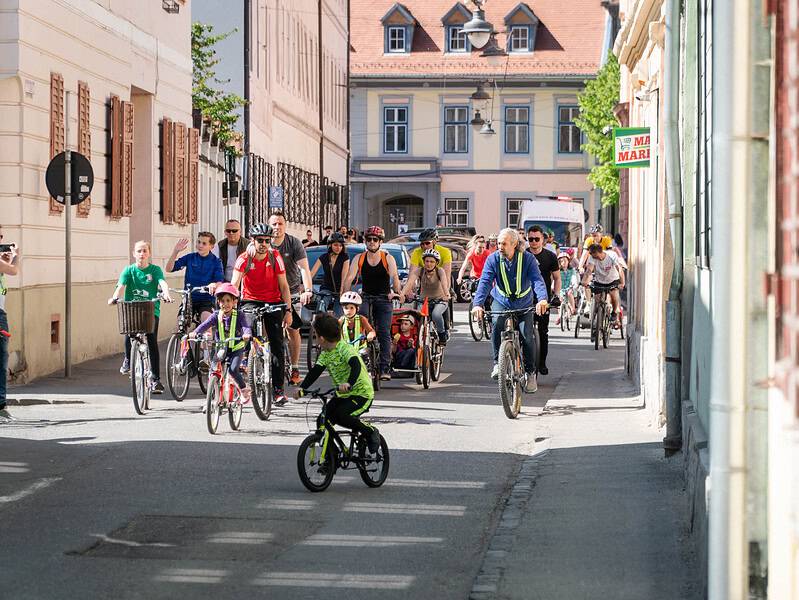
511, 311
185, 291
318, 393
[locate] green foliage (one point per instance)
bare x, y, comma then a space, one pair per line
597, 121
206, 95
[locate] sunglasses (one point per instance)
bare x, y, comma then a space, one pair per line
534, 239
373, 239
262, 240
232, 230
427, 243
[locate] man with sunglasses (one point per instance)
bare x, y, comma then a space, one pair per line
550, 271
428, 239
229, 249
263, 281
377, 272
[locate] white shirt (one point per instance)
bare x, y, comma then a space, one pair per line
231, 260
605, 270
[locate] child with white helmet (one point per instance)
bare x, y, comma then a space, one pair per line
354, 325
433, 285
569, 282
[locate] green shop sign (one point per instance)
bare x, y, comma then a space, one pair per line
631, 147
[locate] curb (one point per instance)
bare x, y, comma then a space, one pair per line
38, 401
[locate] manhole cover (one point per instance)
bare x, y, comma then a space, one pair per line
183, 537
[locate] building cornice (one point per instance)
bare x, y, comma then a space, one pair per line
633, 37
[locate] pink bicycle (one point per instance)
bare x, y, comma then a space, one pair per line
223, 391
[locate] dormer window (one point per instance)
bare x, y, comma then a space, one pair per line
522, 25
453, 21
399, 25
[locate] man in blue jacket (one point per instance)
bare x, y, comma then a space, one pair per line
202, 268
513, 280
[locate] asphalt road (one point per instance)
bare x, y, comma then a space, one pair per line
98, 502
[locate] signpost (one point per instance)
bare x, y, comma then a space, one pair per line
631, 147
69, 179
276, 197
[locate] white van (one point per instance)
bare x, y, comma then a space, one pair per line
565, 218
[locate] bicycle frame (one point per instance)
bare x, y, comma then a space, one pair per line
328, 430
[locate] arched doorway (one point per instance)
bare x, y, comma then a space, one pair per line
408, 210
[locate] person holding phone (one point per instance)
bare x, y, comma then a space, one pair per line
9, 255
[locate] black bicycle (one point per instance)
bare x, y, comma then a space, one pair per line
325, 451
480, 329
323, 304
602, 315
259, 361
184, 361
512, 375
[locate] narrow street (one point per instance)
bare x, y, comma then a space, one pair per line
572, 500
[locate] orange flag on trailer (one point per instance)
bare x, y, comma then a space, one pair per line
424, 311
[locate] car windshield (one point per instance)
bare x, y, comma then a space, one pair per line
353, 250
566, 234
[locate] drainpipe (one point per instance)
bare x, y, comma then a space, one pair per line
247, 195
671, 106
726, 488
321, 95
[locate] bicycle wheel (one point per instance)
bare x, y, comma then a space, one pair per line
475, 326
488, 327
312, 349
510, 386
578, 314
316, 476
568, 318
213, 410
177, 382
426, 368
234, 409
596, 324
436, 358
562, 313
139, 384
260, 380
373, 467
202, 372
605, 328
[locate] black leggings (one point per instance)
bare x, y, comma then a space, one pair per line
273, 326
340, 412
152, 344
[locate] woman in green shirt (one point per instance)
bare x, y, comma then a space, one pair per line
143, 281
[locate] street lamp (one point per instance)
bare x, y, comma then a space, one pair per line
478, 30
493, 53
487, 129
480, 93
478, 120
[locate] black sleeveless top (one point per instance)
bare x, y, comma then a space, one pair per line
332, 282
376, 281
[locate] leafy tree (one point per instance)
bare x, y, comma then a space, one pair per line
206, 95
597, 121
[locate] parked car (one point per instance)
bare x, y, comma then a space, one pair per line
449, 239
458, 256
460, 231
396, 250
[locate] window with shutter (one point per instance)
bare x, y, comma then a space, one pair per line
115, 204
167, 191
84, 136
56, 126
194, 173
179, 177
126, 192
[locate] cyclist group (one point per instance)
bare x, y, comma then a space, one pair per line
240, 275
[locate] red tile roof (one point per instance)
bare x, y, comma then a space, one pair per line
568, 42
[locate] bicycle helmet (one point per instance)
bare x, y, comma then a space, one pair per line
226, 288
596, 228
351, 298
335, 238
564, 255
428, 234
432, 252
261, 229
376, 231
492, 237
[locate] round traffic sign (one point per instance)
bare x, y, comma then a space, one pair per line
82, 177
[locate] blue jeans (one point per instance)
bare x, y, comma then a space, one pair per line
437, 315
527, 329
3, 358
381, 313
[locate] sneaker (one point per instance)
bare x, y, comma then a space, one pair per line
280, 397
295, 376
530, 383
156, 386
385, 376
125, 368
373, 441
5, 416
246, 394
495, 371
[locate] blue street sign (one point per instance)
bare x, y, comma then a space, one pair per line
276, 197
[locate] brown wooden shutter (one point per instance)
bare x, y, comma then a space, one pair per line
181, 142
126, 192
167, 172
116, 159
194, 173
56, 127
84, 137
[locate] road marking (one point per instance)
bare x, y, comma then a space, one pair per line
283, 504
131, 544
444, 510
459, 485
336, 580
241, 537
192, 575
31, 489
372, 541
14, 467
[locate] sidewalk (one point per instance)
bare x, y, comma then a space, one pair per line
597, 513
